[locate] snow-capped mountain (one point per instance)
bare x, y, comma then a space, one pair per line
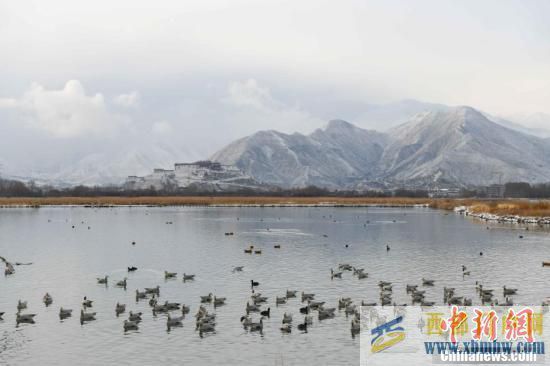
456, 145
336, 156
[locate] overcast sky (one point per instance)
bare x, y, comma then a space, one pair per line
78, 76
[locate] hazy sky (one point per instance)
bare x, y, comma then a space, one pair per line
78, 76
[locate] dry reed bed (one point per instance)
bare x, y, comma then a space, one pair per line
498, 207
209, 201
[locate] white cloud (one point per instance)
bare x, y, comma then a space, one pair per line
259, 108
161, 128
249, 93
66, 113
129, 100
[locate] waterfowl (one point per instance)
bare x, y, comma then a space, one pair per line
363, 303
248, 251
325, 314
130, 325
207, 298
355, 326
174, 322
187, 277
345, 267
87, 303
168, 275
387, 248
509, 291
103, 281
154, 290
21, 305
257, 327
47, 299
280, 300
335, 274
306, 297
315, 304
159, 308
350, 309
252, 308
238, 269
258, 251
206, 328
24, 318
303, 326
287, 318
132, 269
384, 284
304, 310
120, 308
140, 295
411, 288
134, 317
266, 312
362, 275
122, 283
246, 320
85, 317
426, 282
291, 293
65, 313
218, 301
1, 314
286, 328
185, 309
277, 246
254, 283
172, 305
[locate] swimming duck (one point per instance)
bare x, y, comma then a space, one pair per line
168, 275
130, 325
291, 293
187, 277
21, 305
120, 308
47, 299
122, 283
85, 317
87, 303
103, 281
287, 318
65, 313
134, 317
154, 290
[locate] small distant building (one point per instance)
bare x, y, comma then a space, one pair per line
451, 192
495, 191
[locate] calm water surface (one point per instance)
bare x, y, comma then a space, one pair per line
67, 260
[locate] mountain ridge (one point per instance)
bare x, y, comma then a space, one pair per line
458, 145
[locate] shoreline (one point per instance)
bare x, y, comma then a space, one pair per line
500, 210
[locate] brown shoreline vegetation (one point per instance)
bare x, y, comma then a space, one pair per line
538, 208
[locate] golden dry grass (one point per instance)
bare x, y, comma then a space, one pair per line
499, 207
205, 201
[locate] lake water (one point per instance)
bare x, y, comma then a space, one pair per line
66, 261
